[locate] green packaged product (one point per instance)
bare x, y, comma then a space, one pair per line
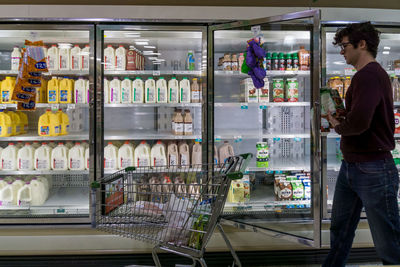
262, 158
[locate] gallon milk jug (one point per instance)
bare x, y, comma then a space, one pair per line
45, 183
15, 58
64, 57
196, 155
35, 144
142, 155
42, 158
126, 90
24, 195
138, 91
126, 154
16, 185
38, 192
53, 90
75, 59
184, 94
87, 91
162, 92
115, 91
85, 53
110, 157
9, 158
80, 91
24, 121
225, 151
66, 89
7, 88
52, 57
172, 154
87, 157
64, 122
6, 193
16, 123
59, 158
5, 124
76, 158
150, 90
109, 58
184, 156
120, 58
1, 150
158, 155
25, 157
106, 91
173, 90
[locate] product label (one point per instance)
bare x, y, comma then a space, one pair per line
51, 62
158, 162
75, 63
63, 95
114, 96
150, 95
179, 127
44, 130
78, 97
15, 63
58, 164
126, 162
285, 193
126, 95
7, 164
74, 164
109, 164
57, 129
42, 164
188, 128
17, 128
173, 95
195, 96
24, 164
161, 95
52, 96
184, 160
120, 64
184, 96
85, 62
5, 96
108, 63
143, 162
173, 161
63, 63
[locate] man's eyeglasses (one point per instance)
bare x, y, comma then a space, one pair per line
343, 45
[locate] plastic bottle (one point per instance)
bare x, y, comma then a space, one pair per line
42, 158
138, 91
5, 124
16, 123
85, 53
304, 59
24, 121
59, 158
6, 194
282, 63
150, 93
126, 154
52, 57
179, 125
295, 62
80, 91
184, 94
66, 88
87, 158
126, 91
75, 58
109, 58
106, 91
196, 92
45, 183
7, 89
15, 58
275, 61
39, 192
187, 123
16, 185
53, 92
172, 154
24, 194
35, 145
25, 157
162, 91
131, 58
49, 124
115, 91
158, 155
9, 158
64, 52
120, 58
225, 151
76, 158
173, 90
184, 156
142, 155
64, 122
110, 157
196, 155
190, 61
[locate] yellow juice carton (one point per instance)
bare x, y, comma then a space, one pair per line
66, 89
5, 124
41, 92
16, 123
7, 88
24, 121
53, 90
49, 124
64, 122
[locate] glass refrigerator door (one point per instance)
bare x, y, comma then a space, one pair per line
337, 75
274, 121
44, 172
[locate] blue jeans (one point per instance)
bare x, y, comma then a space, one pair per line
373, 185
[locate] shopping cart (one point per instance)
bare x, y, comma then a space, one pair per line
176, 208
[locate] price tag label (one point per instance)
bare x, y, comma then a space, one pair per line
397, 71
198, 140
178, 137
349, 71
238, 138
3, 106
156, 73
256, 30
61, 210
55, 106
140, 72
263, 106
71, 106
297, 139
230, 72
217, 138
276, 139
244, 106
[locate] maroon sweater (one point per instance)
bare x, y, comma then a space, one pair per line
367, 131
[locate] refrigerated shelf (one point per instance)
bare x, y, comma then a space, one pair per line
49, 172
51, 106
262, 105
145, 135
151, 72
254, 134
51, 72
271, 73
335, 135
158, 169
33, 136
153, 105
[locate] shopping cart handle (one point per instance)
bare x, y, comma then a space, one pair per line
95, 184
239, 174
130, 169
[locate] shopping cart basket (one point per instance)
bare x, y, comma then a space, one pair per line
176, 208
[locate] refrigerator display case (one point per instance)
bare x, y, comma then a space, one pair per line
337, 74
47, 187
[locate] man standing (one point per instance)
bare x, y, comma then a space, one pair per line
368, 176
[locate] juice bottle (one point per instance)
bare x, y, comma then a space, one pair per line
7, 88
41, 92
184, 95
172, 154
142, 155
196, 92
196, 155
52, 58
304, 59
295, 62
190, 61
282, 63
5, 124
138, 91
16, 123
268, 62
275, 61
173, 90
131, 58
49, 124
161, 90
289, 62
65, 89
188, 123
120, 58
23, 121
150, 93
15, 58
115, 91
53, 90
184, 157
179, 123
64, 52
75, 58
64, 122
109, 58
85, 52
126, 90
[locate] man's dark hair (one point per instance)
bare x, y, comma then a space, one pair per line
357, 32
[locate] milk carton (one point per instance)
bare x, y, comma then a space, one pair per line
142, 155
158, 155
59, 158
9, 158
250, 91
6, 193
126, 91
109, 58
110, 157
162, 92
39, 192
25, 157
85, 53
15, 58
225, 151
52, 57
173, 154
64, 51
126, 154
42, 158
150, 90
173, 90
24, 195
75, 58
106, 91
80, 91
87, 158
184, 94
184, 156
138, 91
76, 158
196, 155
120, 58
115, 91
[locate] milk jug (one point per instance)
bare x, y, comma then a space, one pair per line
150, 93
64, 122
187, 123
38, 192
109, 58
120, 58
162, 92
7, 88
126, 154
49, 124
75, 59
126, 90
85, 57
179, 125
24, 194
66, 89
15, 58
110, 157
16, 123
6, 193
87, 159
142, 155
24, 121
1, 150
52, 57
45, 183
196, 155
115, 91
64, 57
158, 155
59, 158
53, 90
25, 157
173, 90
138, 91
76, 158
80, 91
5, 124
17, 184
106, 91
196, 92
184, 95
184, 157
225, 151
42, 158
87, 91
173, 155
